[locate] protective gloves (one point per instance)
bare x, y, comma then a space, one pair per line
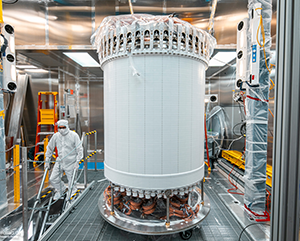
47, 164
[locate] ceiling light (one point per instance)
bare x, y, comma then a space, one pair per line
82, 58
36, 70
222, 58
25, 66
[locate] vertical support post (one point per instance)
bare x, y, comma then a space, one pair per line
285, 207
190, 198
112, 208
202, 191
213, 158
95, 150
24, 194
59, 94
45, 149
168, 211
3, 194
16, 163
85, 160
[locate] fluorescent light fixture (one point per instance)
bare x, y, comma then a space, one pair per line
25, 66
36, 70
222, 58
82, 58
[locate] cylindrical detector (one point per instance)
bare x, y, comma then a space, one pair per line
154, 84
154, 118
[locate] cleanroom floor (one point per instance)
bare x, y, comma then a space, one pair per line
86, 223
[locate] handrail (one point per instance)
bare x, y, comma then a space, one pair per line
38, 197
73, 181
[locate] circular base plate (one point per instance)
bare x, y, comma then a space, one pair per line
152, 227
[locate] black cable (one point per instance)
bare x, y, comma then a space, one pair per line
241, 111
243, 129
240, 123
10, 2
251, 224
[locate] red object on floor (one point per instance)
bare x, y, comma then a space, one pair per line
259, 217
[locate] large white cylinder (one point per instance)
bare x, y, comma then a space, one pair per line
153, 102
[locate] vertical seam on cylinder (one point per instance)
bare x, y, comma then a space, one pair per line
128, 84
192, 95
116, 119
145, 106
162, 114
178, 84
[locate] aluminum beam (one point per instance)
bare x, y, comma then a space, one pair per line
3, 192
286, 146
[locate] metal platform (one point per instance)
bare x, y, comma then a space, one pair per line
83, 220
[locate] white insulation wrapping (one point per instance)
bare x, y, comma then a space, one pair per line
153, 103
257, 104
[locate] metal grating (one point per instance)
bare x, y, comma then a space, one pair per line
86, 223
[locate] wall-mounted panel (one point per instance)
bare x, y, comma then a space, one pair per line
29, 21
70, 22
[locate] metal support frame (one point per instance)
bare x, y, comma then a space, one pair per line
286, 146
24, 193
66, 213
35, 227
168, 211
84, 158
168, 194
45, 218
3, 196
112, 210
38, 197
202, 191
96, 150
68, 198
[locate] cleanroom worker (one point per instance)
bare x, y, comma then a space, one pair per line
70, 152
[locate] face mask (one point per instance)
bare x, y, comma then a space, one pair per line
63, 131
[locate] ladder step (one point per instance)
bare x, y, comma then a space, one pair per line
40, 143
45, 133
39, 153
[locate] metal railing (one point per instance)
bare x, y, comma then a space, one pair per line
95, 147
20, 162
